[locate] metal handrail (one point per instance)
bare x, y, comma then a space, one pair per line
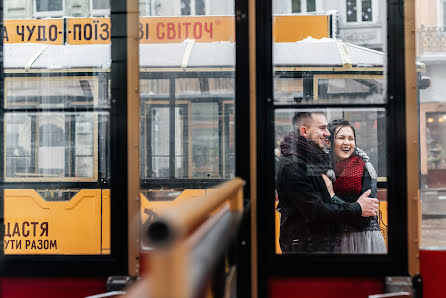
188, 241
178, 222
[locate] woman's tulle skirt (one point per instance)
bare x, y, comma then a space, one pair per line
366, 242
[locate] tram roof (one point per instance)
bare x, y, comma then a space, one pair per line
310, 52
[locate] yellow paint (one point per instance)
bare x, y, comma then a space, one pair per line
84, 31
106, 221
159, 206
74, 227
46, 31
277, 227
178, 29
295, 28
151, 210
383, 219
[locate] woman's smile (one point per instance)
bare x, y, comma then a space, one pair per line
344, 143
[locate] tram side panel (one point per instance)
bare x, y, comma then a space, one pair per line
35, 226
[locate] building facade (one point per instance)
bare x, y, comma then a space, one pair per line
431, 50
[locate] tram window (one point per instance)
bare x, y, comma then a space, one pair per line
288, 89
204, 85
84, 149
204, 140
350, 89
202, 134
50, 92
154, 87
160, 143
53, 146
18, 145
339, 234
187, 111
319, 77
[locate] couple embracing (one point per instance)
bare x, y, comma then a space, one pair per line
327, 201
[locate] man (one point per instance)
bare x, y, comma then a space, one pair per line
309, 212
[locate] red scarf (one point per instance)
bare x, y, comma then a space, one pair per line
349, 176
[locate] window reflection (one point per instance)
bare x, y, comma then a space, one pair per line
52, 146
349, 156
315, 66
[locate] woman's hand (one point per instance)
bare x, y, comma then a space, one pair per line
329, 185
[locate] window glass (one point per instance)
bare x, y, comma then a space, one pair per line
101, 4
311, 5
288, 90
204, 86
295, 6
154, 87
55, 116
185, 7
356, 139
199, 7
444, 14
345, 141
205, 140
430, 48
160, 145
351, 10
51, 92
298, 6
311, 66
54, 146
366, 15
358, 89
49, 5
187, 92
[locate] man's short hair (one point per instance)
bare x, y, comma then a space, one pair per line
303, 118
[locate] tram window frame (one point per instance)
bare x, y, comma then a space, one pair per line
116, 262
395, 261
30, 102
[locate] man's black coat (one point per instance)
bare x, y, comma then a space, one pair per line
308, 214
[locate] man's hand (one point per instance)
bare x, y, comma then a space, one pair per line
329, 185
368, 205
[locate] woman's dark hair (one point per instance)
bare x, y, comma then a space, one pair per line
333, 128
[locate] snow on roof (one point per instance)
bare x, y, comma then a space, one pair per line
308, 52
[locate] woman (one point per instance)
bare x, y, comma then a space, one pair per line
354, 175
